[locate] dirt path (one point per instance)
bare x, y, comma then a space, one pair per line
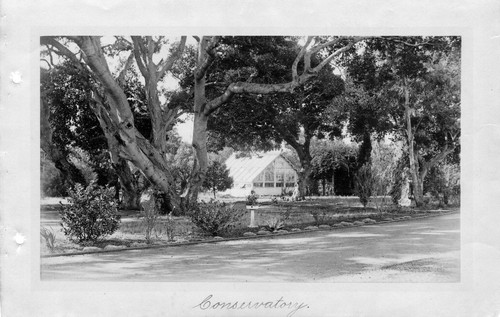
425, 250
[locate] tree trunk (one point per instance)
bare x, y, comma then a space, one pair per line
117, 120
333, 183
323, 181
418, 186
305, 172
138, 151
313, 187
200, 122
200, 146
128, 185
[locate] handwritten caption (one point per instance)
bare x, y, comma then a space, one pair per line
280, 304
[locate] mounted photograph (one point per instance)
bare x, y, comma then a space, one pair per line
250, 159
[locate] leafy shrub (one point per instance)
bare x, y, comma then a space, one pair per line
150, 212
277, 223
443, 183
285, 213
398, 178
252, 198
167, 227
320, 216
364, 184
49, 237
217, 178
215, 217
152, 203
91, 214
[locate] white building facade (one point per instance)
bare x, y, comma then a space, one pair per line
266, 173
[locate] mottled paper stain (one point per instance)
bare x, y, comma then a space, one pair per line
19, 239
16, 77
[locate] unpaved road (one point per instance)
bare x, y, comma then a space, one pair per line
424, 250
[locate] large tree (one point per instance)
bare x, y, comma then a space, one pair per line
264, 121
114, 109
241, 80
66, 105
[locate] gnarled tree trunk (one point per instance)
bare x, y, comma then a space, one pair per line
128, 185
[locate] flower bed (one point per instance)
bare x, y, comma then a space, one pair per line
299, 216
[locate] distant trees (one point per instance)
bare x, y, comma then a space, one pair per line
413, 85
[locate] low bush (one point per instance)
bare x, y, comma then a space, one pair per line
215, 218
364, 184
279, 222
155, 225
252, 199
166, 227
150, 213
91, 214
275, 224
320, 216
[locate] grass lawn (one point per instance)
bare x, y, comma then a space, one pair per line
294, 216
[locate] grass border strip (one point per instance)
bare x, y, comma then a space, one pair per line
441, 213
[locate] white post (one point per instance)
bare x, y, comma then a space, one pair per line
252, 218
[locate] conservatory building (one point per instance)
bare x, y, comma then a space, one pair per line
267, 173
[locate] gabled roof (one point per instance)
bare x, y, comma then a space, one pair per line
246, 169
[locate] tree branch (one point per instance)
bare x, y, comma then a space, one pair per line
150, 51
167, 65
244, 87
395, 40
301, 54
253, 88
336, 53
138, 57
49, 48
440, 156
117, 99
62, 51
121, 76
318, 48
46, 61
314, 50
210, 56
